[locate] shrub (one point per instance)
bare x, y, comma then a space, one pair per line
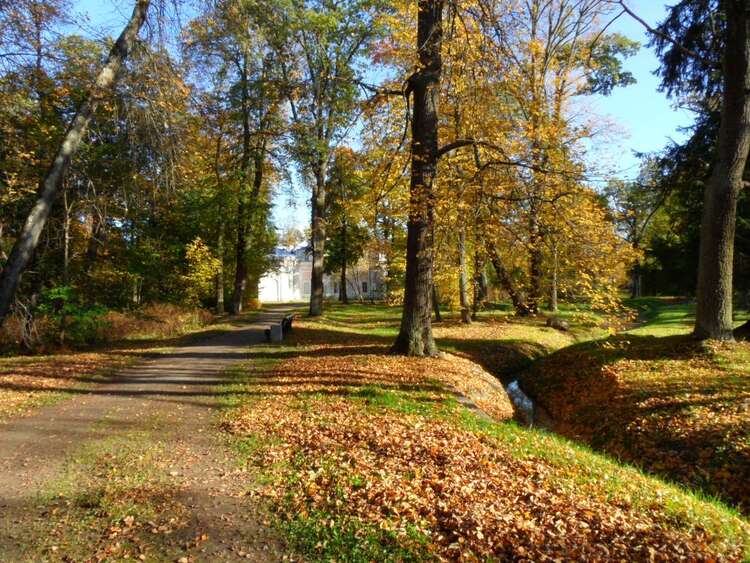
157, 320
76, 323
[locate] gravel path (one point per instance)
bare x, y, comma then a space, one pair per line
174, 397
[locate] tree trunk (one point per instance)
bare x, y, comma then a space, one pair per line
220, 235
28, 239
66, 239
636, 277
98, 234
463, 284
343, 295
553, 284
636, 282
535, 263
713, 317
220, 273
415, 336
521, 308
240, 273
479, 288
436, 304
318, 205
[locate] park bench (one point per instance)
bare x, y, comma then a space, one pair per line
275, 333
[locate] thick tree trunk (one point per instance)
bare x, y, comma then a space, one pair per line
415, 336
28, 238
714, 308
535, 263
318, 205
463, 284
343, 295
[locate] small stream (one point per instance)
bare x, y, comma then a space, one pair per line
531, 414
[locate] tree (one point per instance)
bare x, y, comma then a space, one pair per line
28, 238
347, 235
320, 45
415, 335
713, 316
704, 47
231, 40
635, 205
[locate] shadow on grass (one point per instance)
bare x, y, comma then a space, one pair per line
662, 403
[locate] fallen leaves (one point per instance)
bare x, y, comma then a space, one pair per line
666, 404
419, 475
27, 381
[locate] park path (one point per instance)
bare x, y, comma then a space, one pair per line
173, 396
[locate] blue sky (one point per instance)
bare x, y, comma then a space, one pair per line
644, 114
645, 119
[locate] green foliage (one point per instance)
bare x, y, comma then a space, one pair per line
329, 537
606, 59
77, 323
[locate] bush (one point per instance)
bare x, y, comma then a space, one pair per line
158, 320
61, 320
75, 323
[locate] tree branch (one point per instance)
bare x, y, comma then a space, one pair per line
657, 33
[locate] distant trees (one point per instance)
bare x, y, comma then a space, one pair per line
469, 171
321, 47
635, 205
347, 234
27, 239
229, 41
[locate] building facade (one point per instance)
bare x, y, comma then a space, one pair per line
289, 279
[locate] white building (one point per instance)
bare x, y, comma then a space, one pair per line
289, 280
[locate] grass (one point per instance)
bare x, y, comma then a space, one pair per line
113, 501
364, 456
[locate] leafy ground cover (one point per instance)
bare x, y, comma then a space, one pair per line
365, 456
501, 342
29, 381
656, 398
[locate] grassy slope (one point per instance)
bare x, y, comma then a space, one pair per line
656, 398
368, 457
